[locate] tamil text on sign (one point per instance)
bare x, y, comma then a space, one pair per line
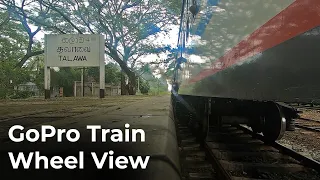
73, 50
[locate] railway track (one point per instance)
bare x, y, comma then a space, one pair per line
314, 129
193, 159
304, 123
308, 107
308, 124
235, 154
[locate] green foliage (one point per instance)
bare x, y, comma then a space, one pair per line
65, 78
13, 43
13, 39
15, 75
112, 75
36, 66
155, 86
174, 6
155, 90
94, 72
146, 69
3, 93
22, 94
144, 86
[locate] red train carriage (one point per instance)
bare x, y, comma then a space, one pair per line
245, 57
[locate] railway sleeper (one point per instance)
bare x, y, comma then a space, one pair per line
194, 164
267, 117
250, 167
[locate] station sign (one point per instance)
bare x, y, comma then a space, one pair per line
73, 50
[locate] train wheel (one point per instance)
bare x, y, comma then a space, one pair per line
205, 121
274, 124
177, 111
256, 124
256, 129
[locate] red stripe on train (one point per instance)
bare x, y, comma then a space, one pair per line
299, 17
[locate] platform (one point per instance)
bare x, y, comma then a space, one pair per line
151, 115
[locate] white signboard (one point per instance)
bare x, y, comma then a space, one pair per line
69, 50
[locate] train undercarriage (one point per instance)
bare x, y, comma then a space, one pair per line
270, 118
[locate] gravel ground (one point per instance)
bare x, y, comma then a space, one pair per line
35, 111
304, 141
310, 175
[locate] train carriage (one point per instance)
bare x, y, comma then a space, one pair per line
249, 57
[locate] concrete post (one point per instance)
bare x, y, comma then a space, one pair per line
47, 82
75, 89
102, 68
92, 87
82, 82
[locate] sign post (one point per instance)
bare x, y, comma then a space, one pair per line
82, 82
74, 50
61, 91
47, 82
102, 68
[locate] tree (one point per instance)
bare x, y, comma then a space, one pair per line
149, 83
12, 45
10, 77
12, 39
36, 68
144, 86
65, 78
17, 13
129, 26
112, 74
